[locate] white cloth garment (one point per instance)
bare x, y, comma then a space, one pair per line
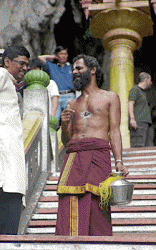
12, 157
52, 91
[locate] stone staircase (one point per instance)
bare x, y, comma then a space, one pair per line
134, 226
137, 217
44, 217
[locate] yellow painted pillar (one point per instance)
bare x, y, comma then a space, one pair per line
122, 77
122, 31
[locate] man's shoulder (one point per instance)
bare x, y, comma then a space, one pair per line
106, 92
6, 79
53, 87
134, 91
50, 64
52, 82
134, 88
3, 71
107, 96
110, 94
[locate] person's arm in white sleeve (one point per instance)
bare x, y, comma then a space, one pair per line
54, 97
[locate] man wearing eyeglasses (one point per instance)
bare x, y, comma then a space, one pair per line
12, 158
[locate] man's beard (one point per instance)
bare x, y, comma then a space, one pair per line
81, 81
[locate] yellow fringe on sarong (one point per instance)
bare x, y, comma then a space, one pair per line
105, 191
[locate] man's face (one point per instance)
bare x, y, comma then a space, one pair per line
62, 56
150, 81
17, 67
81, 75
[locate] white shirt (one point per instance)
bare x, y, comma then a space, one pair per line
12, 156
52, 91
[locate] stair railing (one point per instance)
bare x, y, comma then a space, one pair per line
44, 151
32, 125
37, 147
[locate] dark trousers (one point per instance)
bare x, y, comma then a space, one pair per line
10, 211
140, 137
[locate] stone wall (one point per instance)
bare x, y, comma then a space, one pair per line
30, 22
40, 25
36, 23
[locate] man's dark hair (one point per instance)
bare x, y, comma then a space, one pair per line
60, 48
90, 62
14, 51
143, 76
36, 63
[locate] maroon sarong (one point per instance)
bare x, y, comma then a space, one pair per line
86, 164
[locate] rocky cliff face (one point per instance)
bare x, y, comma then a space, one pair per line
30, 22
40, 25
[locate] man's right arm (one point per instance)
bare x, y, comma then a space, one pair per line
133, 123
67, 124
43, 58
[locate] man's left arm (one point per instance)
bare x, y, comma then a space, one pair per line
114, 132
54, 104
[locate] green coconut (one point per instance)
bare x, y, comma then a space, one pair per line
36, 86
53, 122
52, 129
36, 76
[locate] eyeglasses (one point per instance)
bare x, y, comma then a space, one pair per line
22, 63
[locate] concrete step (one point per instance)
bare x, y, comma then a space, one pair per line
115, 222
49, 198
45, 216
134, 225
127, 241
138, 217
137, 158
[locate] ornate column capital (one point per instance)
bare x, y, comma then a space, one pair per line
122, 36
125, 23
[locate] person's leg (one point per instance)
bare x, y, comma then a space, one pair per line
81, 215
139, 136
91, 219
10, 211
73, 215
148, 138
100, 220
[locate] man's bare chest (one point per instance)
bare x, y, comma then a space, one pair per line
89, 107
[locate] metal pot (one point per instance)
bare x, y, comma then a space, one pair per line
121, 190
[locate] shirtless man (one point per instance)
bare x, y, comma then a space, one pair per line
88, 125
96, 113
